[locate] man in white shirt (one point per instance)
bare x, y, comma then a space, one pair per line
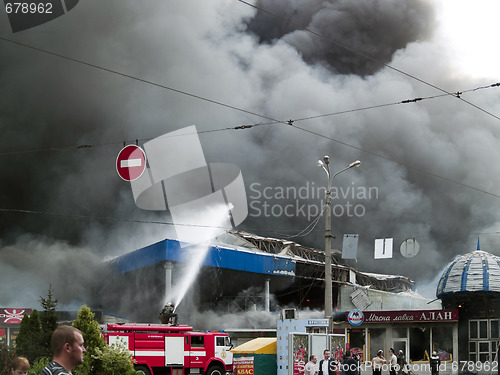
377, 363
393, 362
328, 365
310, 368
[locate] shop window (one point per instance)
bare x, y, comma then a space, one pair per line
473, 329
419, 344
494, 329
442, 342
377, 341
472, 347
483, 329
399, 332
357, 341
483, 337
484, 351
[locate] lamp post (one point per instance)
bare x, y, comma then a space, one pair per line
325, 164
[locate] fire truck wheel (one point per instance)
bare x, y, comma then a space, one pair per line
144, 369
215, 370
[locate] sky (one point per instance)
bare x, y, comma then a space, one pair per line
313, 78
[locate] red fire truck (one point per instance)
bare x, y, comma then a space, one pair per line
175, 350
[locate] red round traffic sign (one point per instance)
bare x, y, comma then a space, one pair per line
131, 162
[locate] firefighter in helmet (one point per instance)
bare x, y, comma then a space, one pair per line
167, 315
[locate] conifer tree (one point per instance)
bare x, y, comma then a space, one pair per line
48, 320
91, 336
29, 337
100, 359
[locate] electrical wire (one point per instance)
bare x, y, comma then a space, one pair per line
102, 218
249, 126
352, 50
395, 161
307, 230
152, 83
273, 121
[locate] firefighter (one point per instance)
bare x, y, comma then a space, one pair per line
167, 315
434, 362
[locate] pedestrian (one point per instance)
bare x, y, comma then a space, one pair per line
310, 367
393, 362
19, 366
67, 348
434, 362
357, 357
328, 365
350, 365
401, 362
377, 363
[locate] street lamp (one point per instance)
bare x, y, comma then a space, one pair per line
328, 231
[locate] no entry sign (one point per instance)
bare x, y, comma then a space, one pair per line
131, 162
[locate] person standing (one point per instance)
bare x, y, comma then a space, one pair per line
377, 363
19, 366
310, 367
401, 362
434, 362
350, 365
68, 348
328, 365
393, 362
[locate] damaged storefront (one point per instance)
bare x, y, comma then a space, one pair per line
416, 332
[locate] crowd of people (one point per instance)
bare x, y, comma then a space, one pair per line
350, 365
330, 366
68, 348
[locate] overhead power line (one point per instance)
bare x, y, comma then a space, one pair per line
395, 161
359, 53
135, 78
250, 126
290, 122
103, 218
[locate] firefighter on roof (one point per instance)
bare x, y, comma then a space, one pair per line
167, 315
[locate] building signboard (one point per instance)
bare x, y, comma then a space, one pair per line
244, 366
411, 316
13, 316
355, 317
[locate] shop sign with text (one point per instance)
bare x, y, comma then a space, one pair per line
13, 315
244, 366
411, 316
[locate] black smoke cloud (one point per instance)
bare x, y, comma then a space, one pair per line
224, 51
371, 30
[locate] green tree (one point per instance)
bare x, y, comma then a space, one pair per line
48, 320
38, 366
100, 359
114, 360
6, 356
29, 337
92, 336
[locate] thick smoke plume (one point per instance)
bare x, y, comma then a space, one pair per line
81, 213
371, 30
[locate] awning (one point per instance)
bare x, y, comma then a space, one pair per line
260, 345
